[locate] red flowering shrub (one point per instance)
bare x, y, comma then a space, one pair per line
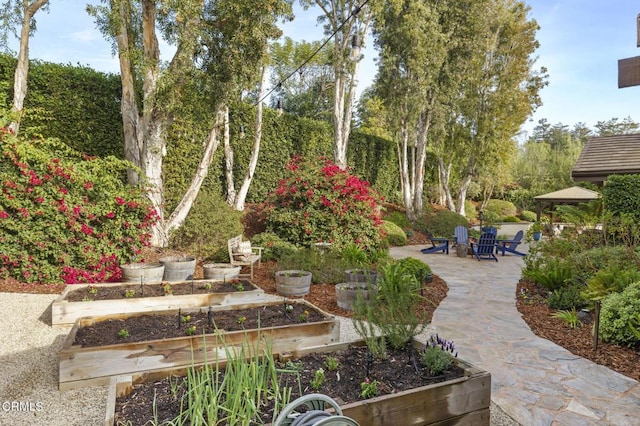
65, 216
319, 201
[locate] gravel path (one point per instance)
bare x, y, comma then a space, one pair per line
29, 392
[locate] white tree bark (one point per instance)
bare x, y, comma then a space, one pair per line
255, 151
228, 161
22, 68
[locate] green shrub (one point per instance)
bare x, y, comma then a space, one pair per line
528, 216
443, 222
613, 279
399, 218
66, 217
394, 235
510, 219
274, 246
618, 312
551, 274
470, 210
318, 201
210, 223
500, 208
415, 267
566, 298
326, 267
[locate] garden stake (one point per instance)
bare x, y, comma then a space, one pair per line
368, 364
209, 317
179, 315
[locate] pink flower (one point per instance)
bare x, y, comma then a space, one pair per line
111, 215
3, 215
120, 201
63, 190
88, 185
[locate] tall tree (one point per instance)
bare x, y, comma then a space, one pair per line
348, 21
22, 13
219, 45
304, 91
500, 91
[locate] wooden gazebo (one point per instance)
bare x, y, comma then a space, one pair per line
572, 196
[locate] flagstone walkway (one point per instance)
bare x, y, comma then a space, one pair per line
534, 381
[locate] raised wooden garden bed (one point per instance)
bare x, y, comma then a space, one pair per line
65, 312
461, 401
81, 366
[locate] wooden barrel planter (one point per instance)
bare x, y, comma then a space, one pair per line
348, 293
293, 282
361, 276
177, 268
142, 273
220, 271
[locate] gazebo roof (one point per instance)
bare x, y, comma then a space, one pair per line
608, 155
575, 194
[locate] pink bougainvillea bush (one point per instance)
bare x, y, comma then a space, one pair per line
66, 217
317, 201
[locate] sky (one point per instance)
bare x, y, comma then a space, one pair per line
581, 42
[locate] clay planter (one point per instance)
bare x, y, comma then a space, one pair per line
293, 283
347, 293
361, 276
462, 401
65, 312
142, 273
178, 268
220, 271
94, 366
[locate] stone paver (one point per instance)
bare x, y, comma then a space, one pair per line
534, 381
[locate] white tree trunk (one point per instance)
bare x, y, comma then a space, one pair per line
22, 68
228, 161
462, 195
184, 206
253, 162
404, 174
444, 171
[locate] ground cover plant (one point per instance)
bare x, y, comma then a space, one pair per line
66, 217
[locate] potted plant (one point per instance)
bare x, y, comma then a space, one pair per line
535, 231
220, 271
347, 293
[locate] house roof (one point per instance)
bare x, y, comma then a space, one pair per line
575, 194
608, 155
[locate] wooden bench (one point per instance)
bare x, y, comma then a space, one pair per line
243, 254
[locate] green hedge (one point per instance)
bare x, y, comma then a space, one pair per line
621, 195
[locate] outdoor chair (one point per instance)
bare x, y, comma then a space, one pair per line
511, 245
461, 235
484, 247
437, 244
242, 253
314, 413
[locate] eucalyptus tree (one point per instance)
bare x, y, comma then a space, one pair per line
348, 22
302, 90
219, 46
14, 14
499, 92
424, 49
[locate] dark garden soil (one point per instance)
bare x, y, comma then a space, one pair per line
155, 326
395, 374
155, 290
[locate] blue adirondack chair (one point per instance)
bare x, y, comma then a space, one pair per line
511, 245
484, 248
461, 235
437, 244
